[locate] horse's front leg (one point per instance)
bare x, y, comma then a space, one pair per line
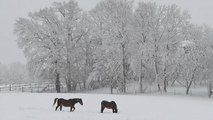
114, 110
72, 109
102, 109
60, 107
56, 107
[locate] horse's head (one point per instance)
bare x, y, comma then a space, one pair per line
80, 101
114, 106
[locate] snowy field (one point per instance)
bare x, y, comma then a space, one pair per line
38, 106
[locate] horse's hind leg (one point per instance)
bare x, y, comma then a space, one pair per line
56, 107
60, 107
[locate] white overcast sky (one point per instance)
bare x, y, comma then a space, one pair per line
10, 10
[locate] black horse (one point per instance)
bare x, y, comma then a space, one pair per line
110, 105
67, 103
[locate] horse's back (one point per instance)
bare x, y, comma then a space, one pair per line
64, 102
104, 103
114, 104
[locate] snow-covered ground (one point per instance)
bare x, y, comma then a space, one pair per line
38, 106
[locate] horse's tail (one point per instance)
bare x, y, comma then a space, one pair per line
56, 99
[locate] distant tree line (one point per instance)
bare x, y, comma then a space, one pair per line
13, 73
115, 44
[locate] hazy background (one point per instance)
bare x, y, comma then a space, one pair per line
10, 10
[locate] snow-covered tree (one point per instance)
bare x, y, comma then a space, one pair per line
159, 30
113, 44
113, 18
49, 39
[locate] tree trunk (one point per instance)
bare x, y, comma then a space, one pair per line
68, 84
210, 88
111, 85
87, 64
84, 84
156, 66
156, 75
124, 71
191, 81
68, 81
188, 87
74, 85
57, 83
141, 78
165, 82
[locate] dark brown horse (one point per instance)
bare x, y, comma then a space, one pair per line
67, 103
109, 105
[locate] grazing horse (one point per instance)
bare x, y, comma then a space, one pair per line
109, 105
67, 103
